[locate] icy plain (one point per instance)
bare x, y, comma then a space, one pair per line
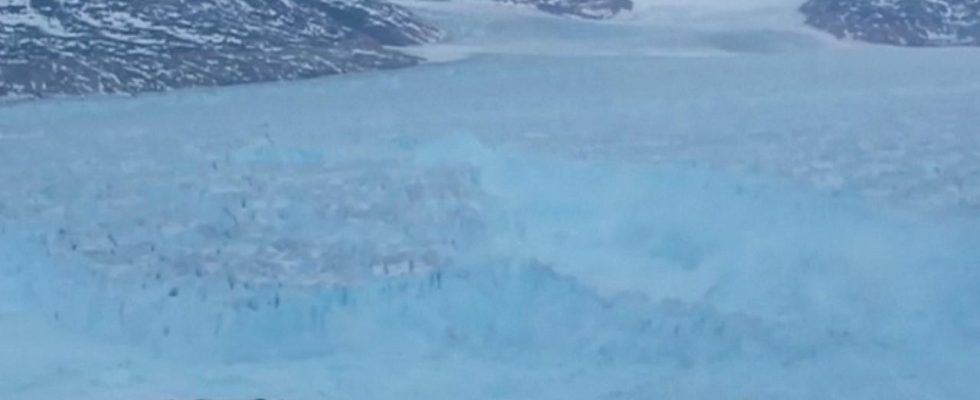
702, 202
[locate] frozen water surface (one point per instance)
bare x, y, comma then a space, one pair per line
648, 210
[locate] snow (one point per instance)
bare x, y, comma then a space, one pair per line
655, 29
778, 219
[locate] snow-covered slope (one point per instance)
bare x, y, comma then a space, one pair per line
110, 46
899, 22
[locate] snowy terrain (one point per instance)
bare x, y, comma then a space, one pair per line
710, 201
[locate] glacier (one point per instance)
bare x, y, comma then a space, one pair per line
734, 207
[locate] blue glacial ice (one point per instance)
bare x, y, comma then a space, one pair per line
797, 224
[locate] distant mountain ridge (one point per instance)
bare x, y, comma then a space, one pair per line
589, 9
898, 22
70, 47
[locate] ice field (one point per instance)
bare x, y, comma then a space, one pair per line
711, 202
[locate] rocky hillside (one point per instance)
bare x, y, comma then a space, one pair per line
899, 22
70, 47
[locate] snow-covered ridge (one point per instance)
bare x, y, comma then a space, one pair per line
899, 22
112, 46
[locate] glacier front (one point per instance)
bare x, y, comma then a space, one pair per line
647, 210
